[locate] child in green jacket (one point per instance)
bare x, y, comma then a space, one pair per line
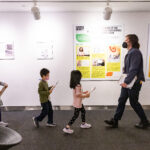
44, 93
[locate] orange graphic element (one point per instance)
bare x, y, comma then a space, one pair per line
114, 49
109, 74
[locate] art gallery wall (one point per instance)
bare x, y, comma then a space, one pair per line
22, 74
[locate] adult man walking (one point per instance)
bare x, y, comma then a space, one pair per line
133, 67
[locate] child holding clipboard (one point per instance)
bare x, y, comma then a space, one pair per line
78, 96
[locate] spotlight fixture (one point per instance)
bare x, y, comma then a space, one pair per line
107, 12
35, 11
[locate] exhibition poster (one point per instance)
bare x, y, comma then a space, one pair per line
44, 50
98, 51
148, 57
6, 50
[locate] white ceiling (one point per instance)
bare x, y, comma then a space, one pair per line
74, 5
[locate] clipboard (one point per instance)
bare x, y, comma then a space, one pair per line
122, 78
56, 83
92, 89
53, 86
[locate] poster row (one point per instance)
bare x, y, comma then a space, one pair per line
44, 50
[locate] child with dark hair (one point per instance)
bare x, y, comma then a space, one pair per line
78, 95
44, 93
1, 103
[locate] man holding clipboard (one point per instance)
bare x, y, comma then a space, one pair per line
131, 83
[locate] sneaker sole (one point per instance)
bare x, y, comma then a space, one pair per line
86, 127
67, 132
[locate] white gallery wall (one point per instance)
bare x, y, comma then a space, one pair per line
22, 74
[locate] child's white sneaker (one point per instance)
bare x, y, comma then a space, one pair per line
85, 126
69, 131
3, 124
51, 124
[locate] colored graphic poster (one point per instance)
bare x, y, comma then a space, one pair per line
149, 68
6, 50
44, 50
148, 57
83, 60
98, 66
98, 52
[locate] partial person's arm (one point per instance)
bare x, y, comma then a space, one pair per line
81, 94
4, 88
136, 59
2, 83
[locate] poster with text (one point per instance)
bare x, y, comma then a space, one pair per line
44, 50
98, 51
6, 50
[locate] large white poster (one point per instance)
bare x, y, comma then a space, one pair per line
98, 51
6, 50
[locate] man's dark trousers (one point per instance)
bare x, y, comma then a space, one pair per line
133, 95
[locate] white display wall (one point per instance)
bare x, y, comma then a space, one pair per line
22, 73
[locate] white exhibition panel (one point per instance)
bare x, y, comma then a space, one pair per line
22, 73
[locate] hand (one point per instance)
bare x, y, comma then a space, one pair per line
124, 85
53, 86
85, 92
88, 94
51, 90
6, 85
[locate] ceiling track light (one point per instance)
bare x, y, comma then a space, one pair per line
35, 11
107, 12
